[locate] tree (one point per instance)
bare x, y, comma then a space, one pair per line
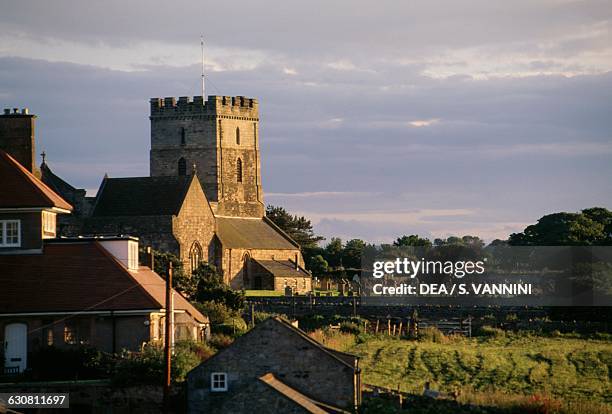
352, 254
181, 281
211, 288
317, 265
567, 229
333, 252
298, 228
413, 240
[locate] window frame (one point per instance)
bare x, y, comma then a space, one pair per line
221, 380
49, 223
4, 236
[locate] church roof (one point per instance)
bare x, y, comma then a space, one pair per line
141, 196
21, 189
252, 233
282, 268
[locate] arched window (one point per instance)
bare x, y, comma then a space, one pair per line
237, 136
182, 167
246, 279
195, 256
239, 171
183, 136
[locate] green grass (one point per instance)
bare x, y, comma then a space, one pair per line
568, 369
262, 293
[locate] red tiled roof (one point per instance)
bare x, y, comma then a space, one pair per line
20, 188
78, 277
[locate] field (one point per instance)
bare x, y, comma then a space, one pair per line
568, 369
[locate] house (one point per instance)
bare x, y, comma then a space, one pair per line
275, 368
78, 291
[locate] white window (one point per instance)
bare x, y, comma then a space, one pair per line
49, 223
218, 381
10, 233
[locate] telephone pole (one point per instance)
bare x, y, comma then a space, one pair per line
168, 340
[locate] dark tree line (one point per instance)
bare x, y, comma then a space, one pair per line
592, 226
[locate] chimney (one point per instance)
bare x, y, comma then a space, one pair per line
123, 249
151, 258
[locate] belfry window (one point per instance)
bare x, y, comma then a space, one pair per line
183, 133
237, 136
182, 167
239, 171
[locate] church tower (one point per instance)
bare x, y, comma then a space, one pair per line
218, 137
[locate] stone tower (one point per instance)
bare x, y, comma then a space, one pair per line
17, 137
220, 138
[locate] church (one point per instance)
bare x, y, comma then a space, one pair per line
203, 200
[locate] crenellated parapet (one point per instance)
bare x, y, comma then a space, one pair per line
233, 106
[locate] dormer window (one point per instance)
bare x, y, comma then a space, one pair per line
48, 224
10, 233
218, 381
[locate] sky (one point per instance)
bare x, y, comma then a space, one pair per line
378, 119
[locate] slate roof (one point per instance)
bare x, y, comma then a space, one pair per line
294, 395
282, 268
53, 181
80, 276
141, 196
19, 188
252, 233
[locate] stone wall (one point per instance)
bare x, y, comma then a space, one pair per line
272, 347
233, 262
205, 134
195, 223
155, 231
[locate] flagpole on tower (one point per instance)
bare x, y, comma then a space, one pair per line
202, 46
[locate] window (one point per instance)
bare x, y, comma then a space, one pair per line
183, 136
237, 136
182, 167
239, 171
218, 381
10, 233
195, 256
76, 331
49, 223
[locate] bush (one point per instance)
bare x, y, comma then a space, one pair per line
491, 332
51, 363
350, 328
216, 312
220, 341
147, 366
432, 334
262, 316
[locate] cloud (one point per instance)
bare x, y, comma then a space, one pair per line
419, 123
430, 109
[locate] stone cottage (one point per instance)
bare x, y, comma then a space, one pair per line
275, 368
